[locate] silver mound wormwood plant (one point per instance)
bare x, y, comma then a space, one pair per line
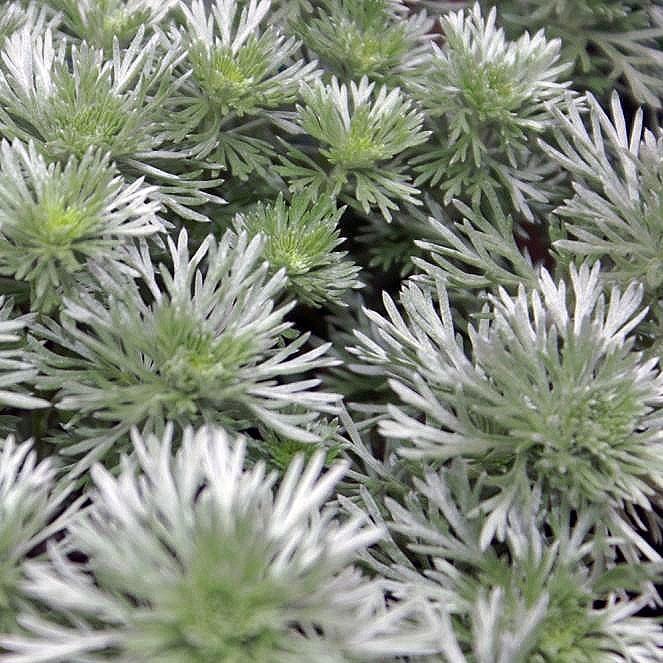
197, 558
578, 415
55, 218
330, 331
488, 98
205, 347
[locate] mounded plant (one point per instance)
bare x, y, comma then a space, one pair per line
330, 331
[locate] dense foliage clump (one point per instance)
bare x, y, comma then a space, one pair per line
330, 331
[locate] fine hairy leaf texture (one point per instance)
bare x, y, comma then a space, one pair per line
239, 73
331, 331
207, 346
360, 134
17, 14
100, 22
15, 367
487, 98
577, 416
45, 92
475, 253
373, 38
32, 509
54, 217
533, 599
69, 98
608, 41
616, 211
198, 558
301, 239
